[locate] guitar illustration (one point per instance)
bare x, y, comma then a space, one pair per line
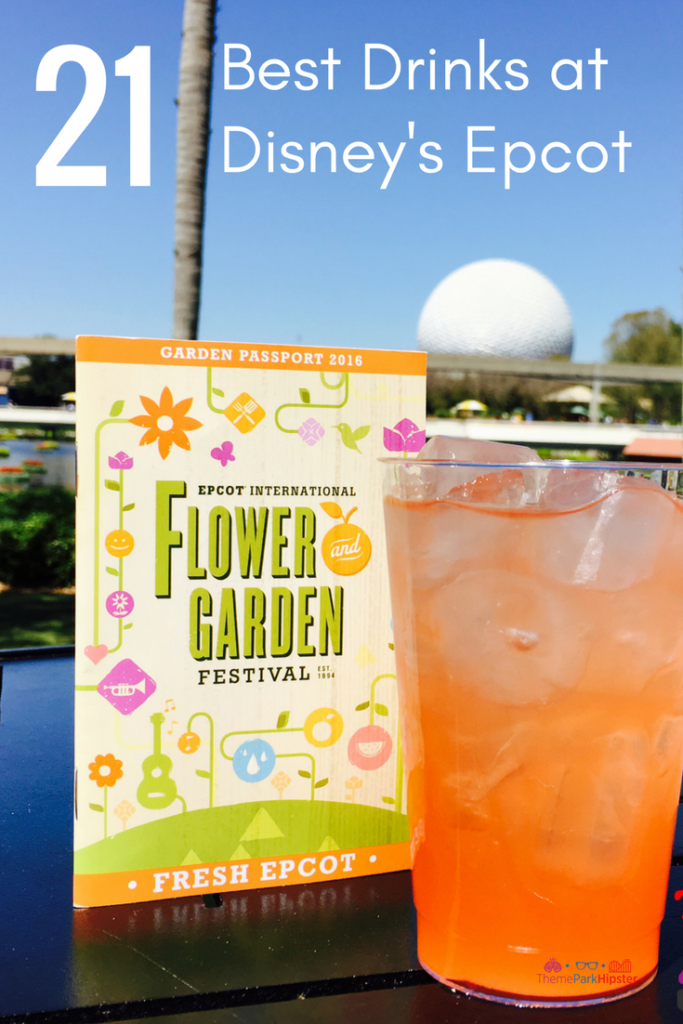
157, 789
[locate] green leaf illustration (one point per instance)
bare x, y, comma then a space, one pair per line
363, 706
129, 625
381, 709
319, 785
388, 800
303, 774
116, 409
391, 647
305, 395
361, 432
112, 485
202, 774
97, 807
127, 508
114, 572
282, 720
217, 391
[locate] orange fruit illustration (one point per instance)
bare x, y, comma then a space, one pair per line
346, 548
332, 727
119, 543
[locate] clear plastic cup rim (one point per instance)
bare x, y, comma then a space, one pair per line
649, 467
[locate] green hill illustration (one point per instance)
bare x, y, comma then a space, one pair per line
275, 828
262, 827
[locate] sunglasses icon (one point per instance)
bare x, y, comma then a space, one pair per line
591, 964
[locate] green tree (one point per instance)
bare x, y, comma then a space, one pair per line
499, 392
652, 338
37, 537
44, 380
649, 337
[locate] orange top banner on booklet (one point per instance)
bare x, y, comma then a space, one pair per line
236, 355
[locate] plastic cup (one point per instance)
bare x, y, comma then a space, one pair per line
537, 612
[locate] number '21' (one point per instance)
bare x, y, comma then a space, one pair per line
136, 66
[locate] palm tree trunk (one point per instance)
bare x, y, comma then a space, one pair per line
194, 106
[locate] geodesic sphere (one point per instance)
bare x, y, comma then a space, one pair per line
496, 308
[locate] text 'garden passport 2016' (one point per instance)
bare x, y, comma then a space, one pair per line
236, 708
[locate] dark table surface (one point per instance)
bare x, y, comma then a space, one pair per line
331, 952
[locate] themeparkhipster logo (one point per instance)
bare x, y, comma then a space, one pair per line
582, 972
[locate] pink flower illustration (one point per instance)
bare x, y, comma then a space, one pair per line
120, 604
224, 453
311, 431
120, 461
405, 437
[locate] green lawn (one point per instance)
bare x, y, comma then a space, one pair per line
35, 619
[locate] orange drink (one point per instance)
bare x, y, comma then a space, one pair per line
537, 613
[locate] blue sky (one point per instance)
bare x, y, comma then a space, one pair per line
332, 258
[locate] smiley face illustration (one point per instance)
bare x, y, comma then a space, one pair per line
370, 747
119, 543
254, 761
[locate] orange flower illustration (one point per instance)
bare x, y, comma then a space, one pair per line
106, 770
166, 422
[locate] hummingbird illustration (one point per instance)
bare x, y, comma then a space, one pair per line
349, 436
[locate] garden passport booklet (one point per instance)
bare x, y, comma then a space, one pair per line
236, 708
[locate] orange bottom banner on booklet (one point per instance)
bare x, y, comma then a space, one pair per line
101, 890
